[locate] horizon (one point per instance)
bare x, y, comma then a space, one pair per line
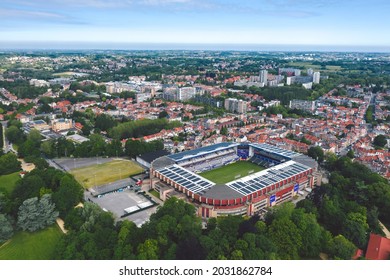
138, 46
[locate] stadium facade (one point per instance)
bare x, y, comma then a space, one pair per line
287, 173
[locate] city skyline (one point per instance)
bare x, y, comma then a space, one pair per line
330, 25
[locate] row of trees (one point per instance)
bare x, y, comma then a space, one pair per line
31, 146
97, 146
175, 232
284, 94
22, 89
139, 128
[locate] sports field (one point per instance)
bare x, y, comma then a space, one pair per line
231, 172
101, 174
7, 182
38, 245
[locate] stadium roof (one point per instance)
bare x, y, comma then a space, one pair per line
201, 151
221, 191
149, 157
305, 160
241, 187
275, 150
185, 178
162, 162
267, 177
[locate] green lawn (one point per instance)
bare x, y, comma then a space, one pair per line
32, 246
7, 182
229, 172
154, 193
105, 173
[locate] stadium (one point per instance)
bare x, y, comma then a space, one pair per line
270, 176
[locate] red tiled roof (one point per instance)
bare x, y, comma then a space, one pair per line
378, 248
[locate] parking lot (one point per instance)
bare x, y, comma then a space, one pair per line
117, 202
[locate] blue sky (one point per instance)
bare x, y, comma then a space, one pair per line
276, 22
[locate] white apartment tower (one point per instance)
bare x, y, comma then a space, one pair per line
263, 76
316, 77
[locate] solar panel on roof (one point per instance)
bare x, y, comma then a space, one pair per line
181, 181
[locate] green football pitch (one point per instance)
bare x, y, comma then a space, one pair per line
231, 172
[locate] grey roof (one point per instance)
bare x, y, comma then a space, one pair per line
221, 192
162, 162
308, 161
202, 151
275, 150
149, 157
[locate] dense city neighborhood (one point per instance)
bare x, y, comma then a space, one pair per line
135, 139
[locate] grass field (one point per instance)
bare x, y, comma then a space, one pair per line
7, 182
329, 68
32, 246
154, 193
101, 174
229, 172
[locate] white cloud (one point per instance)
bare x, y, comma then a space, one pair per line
35, 15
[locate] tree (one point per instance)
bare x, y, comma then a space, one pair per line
148, 250
380, 141
35, 137
36, 214
342, 248
104, 122
356, 228
98, 145
114, 149
6, 229
163, 114
310, 232
317, 153
14, 134
350, 154
28, 148
9, 163
285, 234
69, 194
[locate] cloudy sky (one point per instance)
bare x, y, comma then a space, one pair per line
292, 22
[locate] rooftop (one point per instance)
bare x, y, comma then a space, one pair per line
378, 248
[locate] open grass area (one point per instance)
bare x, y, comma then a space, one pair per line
32, 246
307, 65
229, 172
101, 174
64, 74
7, 182
154, 193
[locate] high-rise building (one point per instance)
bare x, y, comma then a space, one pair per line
310, 72
316, 77
186, 93
263, 76
234, 105
304, 105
